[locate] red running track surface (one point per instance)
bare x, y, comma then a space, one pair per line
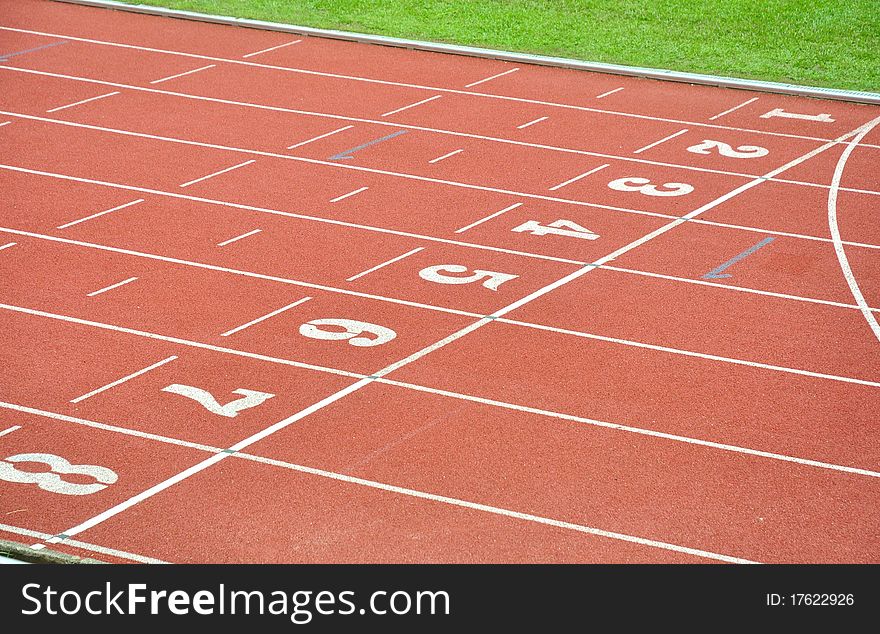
338, 302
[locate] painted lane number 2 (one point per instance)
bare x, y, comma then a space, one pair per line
741, 152
491, 279
249, 399
52, 480
644, 186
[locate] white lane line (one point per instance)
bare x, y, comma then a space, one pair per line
100, 213
758, 453
420, 388
272, 48
663, 140
728, 111
445, 156
412, 105
531, 123
7, 245
223, 171
321, 136
482, 81
237, 238
384, 264
5, 123
578, 177
111, 287
628, 158
10, 430
503, 512
189, 72
265, 317
77, 103
729, 287
378, 81
344, 196
83, 545
487, 218
124, 379
610, 92
835, 230
219, 454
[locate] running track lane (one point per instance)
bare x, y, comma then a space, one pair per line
647, 496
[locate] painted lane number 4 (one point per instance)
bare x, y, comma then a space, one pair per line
742, 152
565, 228
52, 480
491, 279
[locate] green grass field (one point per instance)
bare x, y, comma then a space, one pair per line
832, 43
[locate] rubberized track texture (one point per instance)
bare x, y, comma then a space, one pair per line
268, 298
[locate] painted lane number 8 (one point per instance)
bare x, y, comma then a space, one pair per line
491, 279
52, 480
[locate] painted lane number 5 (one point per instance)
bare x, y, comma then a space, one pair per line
51, 480
491, 279
644, 186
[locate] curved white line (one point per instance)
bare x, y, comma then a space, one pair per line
835, 231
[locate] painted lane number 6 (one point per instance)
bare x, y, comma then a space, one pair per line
644, 186
491, 279
352, 331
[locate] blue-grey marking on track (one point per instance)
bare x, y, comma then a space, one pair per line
5, 56
716, 273
347, 153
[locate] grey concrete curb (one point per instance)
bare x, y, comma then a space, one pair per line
14, 550
524, 58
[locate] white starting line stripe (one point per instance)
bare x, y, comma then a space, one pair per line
530, 123
445, 156
265, 317
384, 264
610, 92
663, 140
728, 111
77, 103
412, 105
344, 196
482, 81
128, 377
10, 430
223, 171
189, 72
578, 177
237, 238
5, 123
489, 217
111, 287
100, 213
272, 48
322, 136
7, 245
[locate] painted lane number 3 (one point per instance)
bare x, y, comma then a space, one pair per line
52, 479
644, 186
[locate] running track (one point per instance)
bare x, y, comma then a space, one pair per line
269, 298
